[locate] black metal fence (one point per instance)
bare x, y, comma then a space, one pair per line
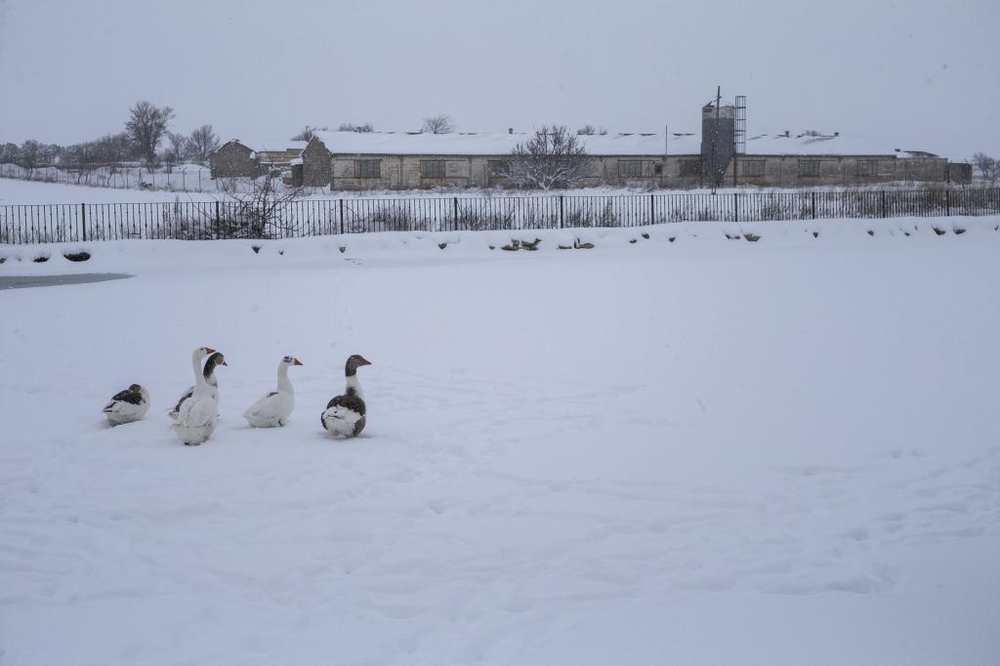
314, 217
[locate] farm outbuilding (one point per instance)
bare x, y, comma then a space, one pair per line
233, 159
722, 156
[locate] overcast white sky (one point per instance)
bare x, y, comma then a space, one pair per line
913, 74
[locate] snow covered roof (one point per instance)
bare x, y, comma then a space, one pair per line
640, 144
818, 145
273, 145
277, 146
406, 143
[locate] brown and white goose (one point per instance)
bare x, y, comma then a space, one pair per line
273, 409
214, 360
198, 413
128, 405
344, 415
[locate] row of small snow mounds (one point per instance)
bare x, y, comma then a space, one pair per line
133, 254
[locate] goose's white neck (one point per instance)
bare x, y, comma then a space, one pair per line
283, 383
352, 383
199, 377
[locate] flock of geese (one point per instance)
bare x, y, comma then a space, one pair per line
197, 411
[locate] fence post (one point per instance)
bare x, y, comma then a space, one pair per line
341, 216
455, 201
652, 209
814, 205
736, 204
883, 204
560, 211
218, 220
83, 220
947, 203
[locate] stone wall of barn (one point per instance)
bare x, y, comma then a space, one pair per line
316, 165
837, 170
404, 172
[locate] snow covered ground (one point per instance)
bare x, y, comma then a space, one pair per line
692, 451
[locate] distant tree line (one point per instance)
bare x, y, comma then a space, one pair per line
146, 139
439, 124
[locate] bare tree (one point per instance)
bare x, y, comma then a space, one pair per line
259, 213
146, 127
202, 143
114, 148
351, 127
29, 155
439, 124
586, 130
49, 153
989, 167
551, 158
305, 134
8, 152
82, 156
176, 147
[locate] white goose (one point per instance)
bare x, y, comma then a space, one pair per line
274, 408
198, 414
208, 373
128, 405
344, 415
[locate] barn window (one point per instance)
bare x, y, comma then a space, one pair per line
630, 169
690, 168
867, 168
753, 168
809, 168
367, 168
432, 168
498, 167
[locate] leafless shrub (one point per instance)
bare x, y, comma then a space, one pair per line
258, 213
551, 158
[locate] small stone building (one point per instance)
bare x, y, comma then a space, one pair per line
233, 159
